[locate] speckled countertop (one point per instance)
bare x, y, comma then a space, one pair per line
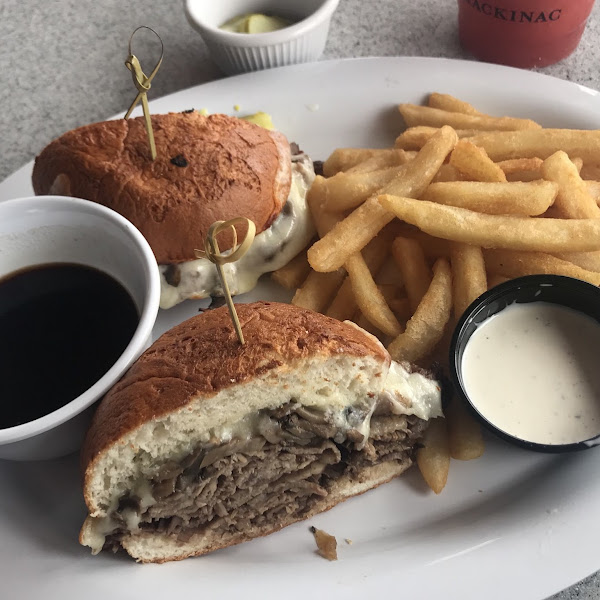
61, 65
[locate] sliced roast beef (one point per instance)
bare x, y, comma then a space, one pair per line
292, 462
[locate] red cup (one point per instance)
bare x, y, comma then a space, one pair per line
522, 33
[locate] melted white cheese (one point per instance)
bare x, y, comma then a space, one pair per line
98, 530
273, 248
408, 394
412, 393
101, 527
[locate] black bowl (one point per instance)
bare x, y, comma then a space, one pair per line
566, 291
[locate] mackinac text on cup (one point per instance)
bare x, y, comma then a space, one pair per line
514, 15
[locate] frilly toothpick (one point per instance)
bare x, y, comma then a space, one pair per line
142, 84
211, 252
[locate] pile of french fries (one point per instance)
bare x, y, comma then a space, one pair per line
409, 236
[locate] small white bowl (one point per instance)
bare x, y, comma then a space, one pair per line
303, 41
54, 229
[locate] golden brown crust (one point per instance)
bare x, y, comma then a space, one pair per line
228, 168
202, 355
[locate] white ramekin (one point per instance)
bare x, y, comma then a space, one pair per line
54, 229
303, 41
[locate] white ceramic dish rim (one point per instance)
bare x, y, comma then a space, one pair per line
246, 40
512, 524
142, 332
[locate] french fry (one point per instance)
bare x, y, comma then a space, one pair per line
377, 250
316, 199
433, 458
513, 165
593, 188
432, 247
426, 327
389, 274
353, 233
348, 190
414, 138
516, 198
448, 173
318, 289
524, 176
573, 200
325, 221
504, 145
401, 308
382, 161
590, 170
414, 115
473, 162
292, 275
495, 279
348, 236
464, 433
439, 355
522, 169
590, 261
369, 298
416, 273
516, 264
343, 306
469, 278
343, 159
389, 291
495, 231
552, 213
452, 104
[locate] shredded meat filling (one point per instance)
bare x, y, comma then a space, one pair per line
283, 471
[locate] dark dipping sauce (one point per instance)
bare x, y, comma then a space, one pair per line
62, 326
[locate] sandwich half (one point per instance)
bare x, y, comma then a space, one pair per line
208, 168
206, 443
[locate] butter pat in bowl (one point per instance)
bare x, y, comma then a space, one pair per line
79, 293
524, 359
249, 35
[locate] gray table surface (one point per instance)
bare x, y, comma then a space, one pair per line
61, 66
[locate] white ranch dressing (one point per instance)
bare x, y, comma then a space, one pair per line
532, 371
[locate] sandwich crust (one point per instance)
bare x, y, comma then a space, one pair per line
203, 356
208, 168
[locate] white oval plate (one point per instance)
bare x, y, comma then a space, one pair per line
513, 524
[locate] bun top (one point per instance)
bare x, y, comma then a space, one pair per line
203, 356
208, 168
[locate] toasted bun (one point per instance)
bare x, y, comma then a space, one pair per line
160, 548
197, 377
208, 168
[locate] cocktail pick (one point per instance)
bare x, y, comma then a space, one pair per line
142, 84
211, 252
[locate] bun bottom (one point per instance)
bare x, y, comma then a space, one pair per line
148, 547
